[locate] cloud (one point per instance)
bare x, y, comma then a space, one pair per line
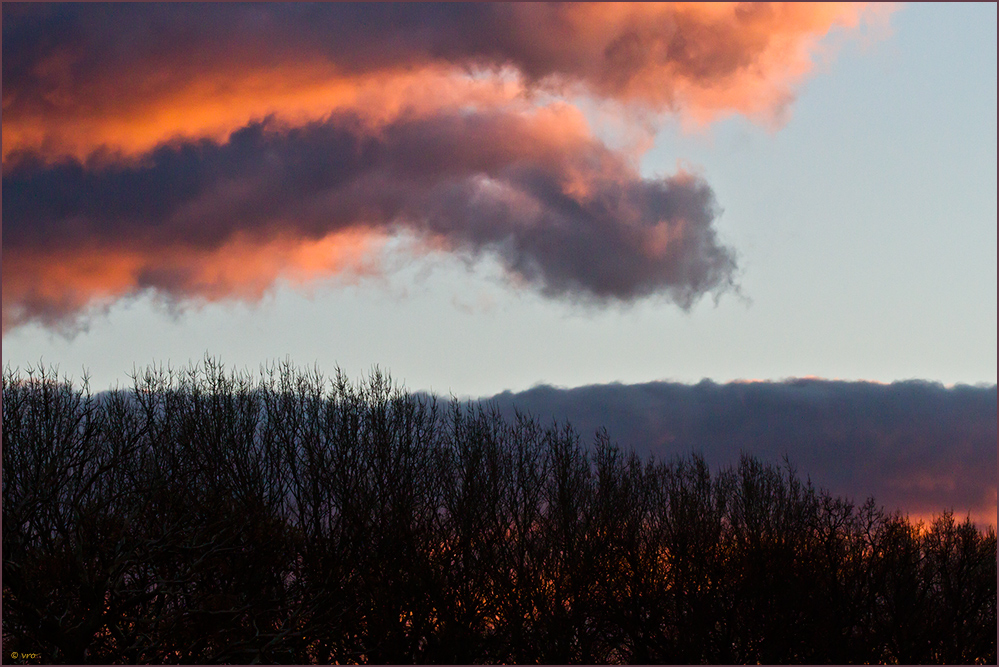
184, 145
562, 211
77, 78
54, 287
914, 445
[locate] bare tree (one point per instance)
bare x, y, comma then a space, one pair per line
203, 516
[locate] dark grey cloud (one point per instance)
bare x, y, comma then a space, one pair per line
564, 213
914, 445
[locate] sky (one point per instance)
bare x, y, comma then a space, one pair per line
488, 198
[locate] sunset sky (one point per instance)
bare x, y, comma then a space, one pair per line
485, 198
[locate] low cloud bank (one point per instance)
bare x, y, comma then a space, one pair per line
916, 446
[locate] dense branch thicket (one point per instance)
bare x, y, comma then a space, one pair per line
205, 516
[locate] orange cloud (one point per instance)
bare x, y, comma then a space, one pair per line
218, 103
192, 77
201, 150
51, 284
703, 61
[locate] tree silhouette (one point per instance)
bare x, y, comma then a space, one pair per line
203, 516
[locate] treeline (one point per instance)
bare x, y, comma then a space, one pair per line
205, 516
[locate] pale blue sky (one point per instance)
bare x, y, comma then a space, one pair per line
865, 230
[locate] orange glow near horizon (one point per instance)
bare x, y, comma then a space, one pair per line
982, 517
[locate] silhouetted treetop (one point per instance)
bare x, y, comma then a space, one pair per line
208, 516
